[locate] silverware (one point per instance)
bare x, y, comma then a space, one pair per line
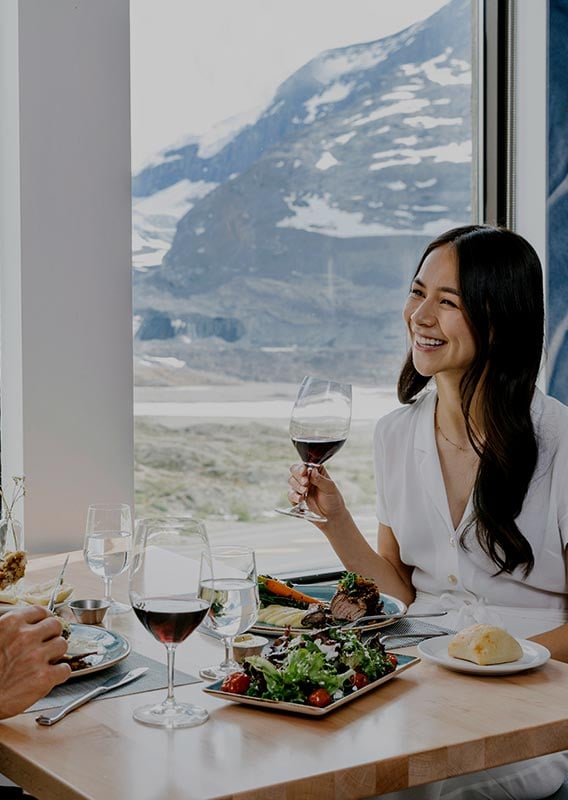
379, 617
58, 582
112, 683
389, 637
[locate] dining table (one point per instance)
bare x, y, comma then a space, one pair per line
426, 724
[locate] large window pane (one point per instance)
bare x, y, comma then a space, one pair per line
312, 151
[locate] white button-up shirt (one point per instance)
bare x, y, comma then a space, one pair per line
412, 501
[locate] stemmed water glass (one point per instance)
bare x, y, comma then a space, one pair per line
108, 541
319, 425
233, 594
170, 557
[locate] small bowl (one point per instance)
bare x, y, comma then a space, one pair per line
89, 612
247, 645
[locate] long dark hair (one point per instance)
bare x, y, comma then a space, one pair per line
501, 286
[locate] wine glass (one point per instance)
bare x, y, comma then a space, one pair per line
319, 425
233, 594
108, 541
170, 556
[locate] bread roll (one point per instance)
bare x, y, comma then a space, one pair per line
485, 644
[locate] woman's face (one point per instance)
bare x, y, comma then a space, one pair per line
441, 338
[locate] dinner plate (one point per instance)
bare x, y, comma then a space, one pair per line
404, 662
391, 605
112, 648
436, 650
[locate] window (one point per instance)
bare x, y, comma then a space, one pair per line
280, 203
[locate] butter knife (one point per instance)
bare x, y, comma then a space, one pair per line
117, 680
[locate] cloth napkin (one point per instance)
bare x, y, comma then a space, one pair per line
155, 678
411, 626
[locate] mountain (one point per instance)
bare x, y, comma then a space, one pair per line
301, 229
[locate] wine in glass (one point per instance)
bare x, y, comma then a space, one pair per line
233, 595
170, 557
108, 541
319, 425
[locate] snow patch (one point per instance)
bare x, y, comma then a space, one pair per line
315, 214
326, 161
454, 153
402, 107
346, 137
457, 72
333, 94
432, 122
396, 186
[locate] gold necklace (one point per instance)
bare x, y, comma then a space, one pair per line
449, 441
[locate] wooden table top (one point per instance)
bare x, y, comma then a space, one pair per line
427, 724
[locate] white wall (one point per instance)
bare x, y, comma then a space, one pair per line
65, 256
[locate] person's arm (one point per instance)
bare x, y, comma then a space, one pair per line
556, 641
30, 641
385, 567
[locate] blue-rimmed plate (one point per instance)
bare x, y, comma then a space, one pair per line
391, 605
110, 648
404, 662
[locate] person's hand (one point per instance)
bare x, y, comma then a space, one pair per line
323, 496
30, 643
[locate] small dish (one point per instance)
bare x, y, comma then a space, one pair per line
89, 612
247, 645
436, 651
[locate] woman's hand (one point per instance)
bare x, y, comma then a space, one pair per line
30, 643
318, 490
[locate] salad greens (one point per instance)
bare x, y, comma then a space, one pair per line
295, 667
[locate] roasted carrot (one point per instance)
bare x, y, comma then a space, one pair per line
281, 589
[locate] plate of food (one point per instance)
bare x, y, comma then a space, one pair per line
91, 649
312, 673
314, 606
16, 590
484, 650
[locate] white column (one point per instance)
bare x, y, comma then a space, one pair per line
65, 256
531, 122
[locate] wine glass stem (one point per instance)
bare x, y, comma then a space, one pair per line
171, 651
229, 658
107, 582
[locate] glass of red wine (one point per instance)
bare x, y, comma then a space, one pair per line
319, 425
168, 557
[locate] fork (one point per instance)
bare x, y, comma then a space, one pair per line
58, 582
393, 616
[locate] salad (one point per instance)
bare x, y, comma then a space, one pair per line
313, 669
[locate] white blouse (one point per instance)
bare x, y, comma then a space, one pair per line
412, 501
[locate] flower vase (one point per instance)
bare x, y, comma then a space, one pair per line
11, 535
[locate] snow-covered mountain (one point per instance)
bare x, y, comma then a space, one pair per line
304, 225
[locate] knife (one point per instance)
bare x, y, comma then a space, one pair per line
320, 577
117, 680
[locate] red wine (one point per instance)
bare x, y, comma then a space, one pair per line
170, 620
316, 451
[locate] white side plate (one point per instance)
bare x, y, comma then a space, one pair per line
436, 650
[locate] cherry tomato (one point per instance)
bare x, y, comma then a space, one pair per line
319, 698
236, 683
393, 659
359, 680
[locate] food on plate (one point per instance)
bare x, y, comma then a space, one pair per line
313, 669
355, 597
40, 593
76, 661
281, 616
282, 593
282, 605
485, 644
12, 568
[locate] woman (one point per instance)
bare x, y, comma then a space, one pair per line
472, 496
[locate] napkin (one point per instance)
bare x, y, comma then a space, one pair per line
155, 678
